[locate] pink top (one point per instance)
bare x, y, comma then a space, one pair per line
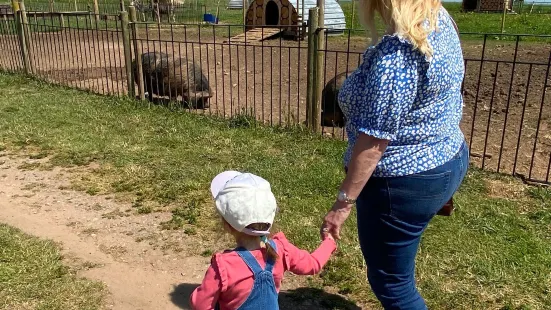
229, 281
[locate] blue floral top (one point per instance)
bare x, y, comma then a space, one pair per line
399, 94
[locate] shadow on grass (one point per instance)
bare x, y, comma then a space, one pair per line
299, 299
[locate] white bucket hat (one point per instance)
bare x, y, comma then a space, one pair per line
243, 199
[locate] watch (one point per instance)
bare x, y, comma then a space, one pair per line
343, 197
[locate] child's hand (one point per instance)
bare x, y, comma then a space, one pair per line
328, 236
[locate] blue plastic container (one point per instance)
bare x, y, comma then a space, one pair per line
209, 18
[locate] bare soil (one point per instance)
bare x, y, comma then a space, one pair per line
507, 106
143, 266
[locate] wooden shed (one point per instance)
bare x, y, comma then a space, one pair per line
285, 12
486, 5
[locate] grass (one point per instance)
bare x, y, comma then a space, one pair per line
494, 253
468, 22
32, 276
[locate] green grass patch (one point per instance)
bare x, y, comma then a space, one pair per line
522, 23
32, 276
493, 253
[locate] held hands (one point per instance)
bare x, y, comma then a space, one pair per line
333, 221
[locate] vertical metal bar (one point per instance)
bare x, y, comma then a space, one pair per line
215, 68
254, 80
323, 101
522, 118
168, 73
82, 62
58, 60
289, 88
280, 80
545, 85
231, 80
238, 77
99, 52
262, 78
88, 26
299, 61
69, 45
223, 79
246, 74
113, 68
187, 60
63, 56
201, 64
74, 61
489, 116
477, 90
508, 104
119, 58
271, 85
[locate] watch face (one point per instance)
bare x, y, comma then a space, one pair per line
341, 196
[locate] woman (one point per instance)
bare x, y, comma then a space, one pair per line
406, 154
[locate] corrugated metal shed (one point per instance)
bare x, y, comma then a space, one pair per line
334, 16
236, 4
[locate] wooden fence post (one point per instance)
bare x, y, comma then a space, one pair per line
27, 34
505, 5
22, 42
62, 21
96, 10
127, 53
139, 74
318, 67
310, 82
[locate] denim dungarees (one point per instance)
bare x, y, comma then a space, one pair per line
263, 294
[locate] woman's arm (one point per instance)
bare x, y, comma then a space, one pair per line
366, 154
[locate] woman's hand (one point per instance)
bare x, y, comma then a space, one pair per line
334, 220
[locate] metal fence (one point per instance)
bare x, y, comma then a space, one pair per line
164, 13
507, 87
532, 7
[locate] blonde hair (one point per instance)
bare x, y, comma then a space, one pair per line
271, 253
405, 18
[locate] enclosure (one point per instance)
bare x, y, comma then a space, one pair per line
506, 91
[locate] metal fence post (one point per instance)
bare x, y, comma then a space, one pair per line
310, 82
22, 42
127, 53
138, 62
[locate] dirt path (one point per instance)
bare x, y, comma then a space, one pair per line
102, 247
143, 267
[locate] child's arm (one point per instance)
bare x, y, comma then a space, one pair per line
301, 262
205, 296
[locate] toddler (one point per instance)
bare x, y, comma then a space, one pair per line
249, 277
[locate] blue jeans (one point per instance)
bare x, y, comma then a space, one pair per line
392, 215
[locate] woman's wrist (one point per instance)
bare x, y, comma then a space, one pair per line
342, 206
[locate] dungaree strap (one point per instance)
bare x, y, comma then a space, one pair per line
251, 261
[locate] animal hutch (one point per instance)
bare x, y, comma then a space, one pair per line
293, 13
486, 5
